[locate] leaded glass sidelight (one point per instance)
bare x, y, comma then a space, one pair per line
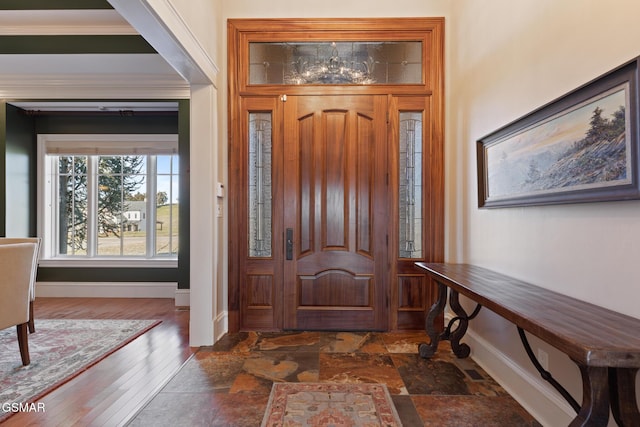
260, 194
410, 185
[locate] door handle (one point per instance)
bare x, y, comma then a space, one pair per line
289, 245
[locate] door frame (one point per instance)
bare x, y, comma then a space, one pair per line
430, 31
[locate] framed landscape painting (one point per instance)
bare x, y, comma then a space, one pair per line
582, 147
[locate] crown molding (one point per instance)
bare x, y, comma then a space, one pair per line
163, 27
182, 31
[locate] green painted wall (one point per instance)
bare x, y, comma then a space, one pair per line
18, 134
184, 137
90, 124
21, 174
3, 168
72, 44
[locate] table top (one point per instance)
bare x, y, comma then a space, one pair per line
589, 334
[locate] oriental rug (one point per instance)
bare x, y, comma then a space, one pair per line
330, 404
60, 349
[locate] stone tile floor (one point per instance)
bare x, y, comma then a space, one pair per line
229, 384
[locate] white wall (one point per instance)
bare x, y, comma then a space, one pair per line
186, 35
506, 59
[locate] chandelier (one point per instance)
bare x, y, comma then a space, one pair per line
331, 69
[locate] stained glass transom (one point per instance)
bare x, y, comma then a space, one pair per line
326, 62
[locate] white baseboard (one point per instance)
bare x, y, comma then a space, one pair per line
183, 298
532, 392
221, 325
106, 289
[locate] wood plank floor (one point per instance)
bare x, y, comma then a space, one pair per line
112, 391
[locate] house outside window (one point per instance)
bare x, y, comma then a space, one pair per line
109, 199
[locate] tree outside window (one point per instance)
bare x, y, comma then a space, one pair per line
111, 205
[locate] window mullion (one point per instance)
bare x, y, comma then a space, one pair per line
51, 197
122, 204
92, 215
152, 190
170, 226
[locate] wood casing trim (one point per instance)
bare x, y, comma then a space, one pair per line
428, 30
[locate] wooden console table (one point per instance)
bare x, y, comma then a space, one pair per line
603, 343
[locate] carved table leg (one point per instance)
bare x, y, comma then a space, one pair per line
622, 392
428, 350
595, 398
460, 350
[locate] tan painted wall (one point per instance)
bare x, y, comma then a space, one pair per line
202, 17
507, 59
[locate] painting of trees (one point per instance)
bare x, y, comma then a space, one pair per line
582, 150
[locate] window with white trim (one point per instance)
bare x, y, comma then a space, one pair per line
108, 198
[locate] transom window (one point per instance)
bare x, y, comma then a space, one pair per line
330, 62
109, 197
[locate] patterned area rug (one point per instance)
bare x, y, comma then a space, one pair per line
59, 350
326, 404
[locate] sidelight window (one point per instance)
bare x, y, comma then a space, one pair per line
410, 185
260, 159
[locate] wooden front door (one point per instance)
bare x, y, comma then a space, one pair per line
335, 274
336, 189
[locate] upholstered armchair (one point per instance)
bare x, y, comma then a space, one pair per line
36, 240
17, 262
